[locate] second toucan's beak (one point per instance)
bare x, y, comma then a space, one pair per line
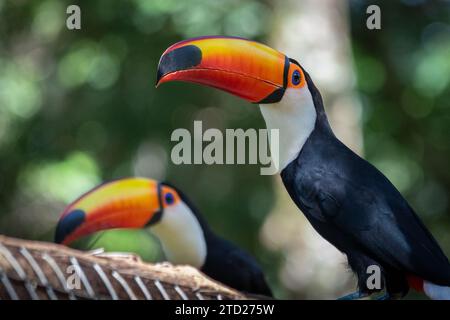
245, 68
126, 203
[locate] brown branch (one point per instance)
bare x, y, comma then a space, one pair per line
41, 270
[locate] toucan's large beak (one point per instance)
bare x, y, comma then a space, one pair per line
245, 68
126, 203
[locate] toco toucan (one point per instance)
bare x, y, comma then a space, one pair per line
346, 199
184, 234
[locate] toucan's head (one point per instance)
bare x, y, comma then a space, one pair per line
288, 99
137, 203
245, 68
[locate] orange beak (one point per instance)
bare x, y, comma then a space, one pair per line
126, 203
244, 68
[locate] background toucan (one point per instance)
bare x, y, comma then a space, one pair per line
184, 234
346, 199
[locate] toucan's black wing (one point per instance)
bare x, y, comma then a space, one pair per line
386, 227
234, 267
252, 274
356, 200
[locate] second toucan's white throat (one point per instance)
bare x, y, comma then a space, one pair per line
295, 118
181, 236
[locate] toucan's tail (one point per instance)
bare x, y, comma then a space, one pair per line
433, 291
436, 292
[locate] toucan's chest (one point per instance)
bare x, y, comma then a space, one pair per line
333, 186
303, 177
316, 181
325, 165
306, 193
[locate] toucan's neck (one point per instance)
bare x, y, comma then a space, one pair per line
296, 116
182, 236
322, 120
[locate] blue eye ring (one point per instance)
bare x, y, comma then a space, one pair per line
296, 77
169, 198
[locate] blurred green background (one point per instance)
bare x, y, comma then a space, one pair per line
79, 107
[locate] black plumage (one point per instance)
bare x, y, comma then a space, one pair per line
356, 208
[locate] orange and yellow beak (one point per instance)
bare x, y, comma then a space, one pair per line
245, 68
125, 203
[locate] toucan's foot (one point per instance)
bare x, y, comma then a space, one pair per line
385, 296
354, 296
390, 296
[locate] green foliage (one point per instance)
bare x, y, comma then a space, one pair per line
139, 242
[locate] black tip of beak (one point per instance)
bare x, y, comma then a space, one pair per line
178, 59
159, 75
68, 224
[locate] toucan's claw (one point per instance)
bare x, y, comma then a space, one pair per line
354, 296
385, 296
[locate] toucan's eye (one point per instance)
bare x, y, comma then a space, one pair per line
169, 198
296, 77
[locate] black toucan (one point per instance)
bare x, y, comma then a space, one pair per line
346, 199
184, 234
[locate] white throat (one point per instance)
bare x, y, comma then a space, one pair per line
295, 117
181, 236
